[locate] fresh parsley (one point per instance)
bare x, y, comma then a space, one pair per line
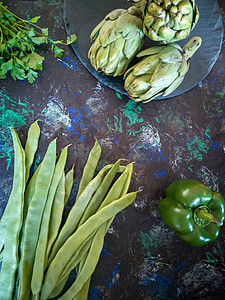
18, 41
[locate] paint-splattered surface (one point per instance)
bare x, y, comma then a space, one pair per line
183, 137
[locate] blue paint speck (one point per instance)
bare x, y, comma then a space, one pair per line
160, 173
215, 145
156, 286
94, 293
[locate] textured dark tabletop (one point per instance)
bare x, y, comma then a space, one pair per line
182, 137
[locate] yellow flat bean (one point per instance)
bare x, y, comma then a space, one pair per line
14, 224
72, 243
77, 211
69, 184
33, 221
31, 146
39, 261
89, 169
88, 266
56, 216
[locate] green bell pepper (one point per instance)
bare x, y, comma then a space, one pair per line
193, 211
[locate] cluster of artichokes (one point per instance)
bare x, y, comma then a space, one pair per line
118, 38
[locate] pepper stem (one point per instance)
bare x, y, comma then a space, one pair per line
204, 215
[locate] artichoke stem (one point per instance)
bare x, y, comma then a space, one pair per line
191, 47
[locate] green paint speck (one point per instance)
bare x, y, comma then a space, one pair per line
197, 147
118, 95
130, 114
12, 113
221, 93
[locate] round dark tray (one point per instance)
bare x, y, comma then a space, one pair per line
82, 16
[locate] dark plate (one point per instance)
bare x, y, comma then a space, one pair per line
83, 15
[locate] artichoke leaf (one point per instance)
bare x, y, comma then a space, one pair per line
185, 22
149, 21
116, 49
93, 52
185, 7
131, 47
140, 85
184, 66
151, 93
108, 34
170, 54
95, 32
152, 98
152, 34
182, 34
173, 85
122, 66
164, 75
128, 25
154, 9
146, 66
151, 51
166, 33
128, 80
113, 15
102, 57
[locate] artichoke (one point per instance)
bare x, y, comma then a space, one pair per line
168, 21
160, 72
136, 3
117, 39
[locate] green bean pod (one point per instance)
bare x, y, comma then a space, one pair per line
100, 193
33, 220
30, 150
125, 187
74, 261
30, 190
69, 184
58, 289
77, 211
77, 257
83, 232
31, 146
88, 266
14, 222
56, 216
39, 261
83, 292
90, 167
119, 189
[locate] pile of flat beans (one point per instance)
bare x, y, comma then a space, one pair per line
39, 249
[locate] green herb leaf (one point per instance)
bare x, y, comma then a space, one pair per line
32, 75
18, 41
18, 72
31, 32
35, 19
71, 39
33, 60
58, 51
44, 31
39, 40
5, 67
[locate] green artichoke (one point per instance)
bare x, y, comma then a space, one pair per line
168, 21
160, 72
117, 39
136, 3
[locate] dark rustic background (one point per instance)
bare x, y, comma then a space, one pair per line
182, 137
